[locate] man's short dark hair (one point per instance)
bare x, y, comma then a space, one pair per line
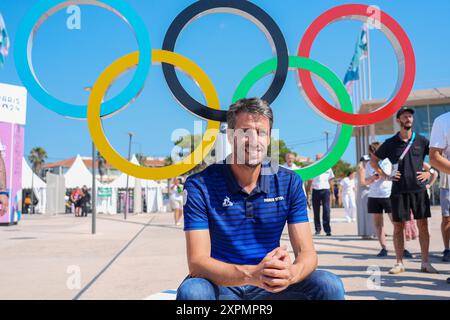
252, 106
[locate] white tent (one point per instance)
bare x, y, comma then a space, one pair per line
78, 175
152, 190
39, 186
153, 196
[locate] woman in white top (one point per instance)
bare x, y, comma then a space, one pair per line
176, 200
347, 194
379, 197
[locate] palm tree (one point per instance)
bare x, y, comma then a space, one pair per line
37, 157
141, 159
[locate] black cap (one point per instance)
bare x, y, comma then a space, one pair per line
403, 110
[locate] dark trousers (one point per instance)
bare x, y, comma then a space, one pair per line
321, 198
84, 210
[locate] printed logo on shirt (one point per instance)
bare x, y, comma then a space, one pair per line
276, 199
227, 202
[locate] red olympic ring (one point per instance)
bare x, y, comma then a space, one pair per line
405, 58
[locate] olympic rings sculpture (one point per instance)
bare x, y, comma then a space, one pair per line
96, 109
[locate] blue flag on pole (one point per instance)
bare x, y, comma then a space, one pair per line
361, 52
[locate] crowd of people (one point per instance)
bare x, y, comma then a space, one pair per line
78, 201
392, 179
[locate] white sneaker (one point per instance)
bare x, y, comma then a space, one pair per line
398, 268
348, 219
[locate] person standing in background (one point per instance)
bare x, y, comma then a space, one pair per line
347, 193
406, 150
176, 200
440, 159
365, 225
379, 198
321, 195
290, 164
85, 200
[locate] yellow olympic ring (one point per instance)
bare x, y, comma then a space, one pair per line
115, 159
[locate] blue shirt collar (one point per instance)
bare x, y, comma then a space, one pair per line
263, 184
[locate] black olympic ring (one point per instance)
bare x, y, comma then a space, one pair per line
249, 11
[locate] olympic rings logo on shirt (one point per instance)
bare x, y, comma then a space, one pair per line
96, 109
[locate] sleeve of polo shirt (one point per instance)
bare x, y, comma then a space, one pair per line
195, 209
298, 212
382, 151
438, 138
331, 175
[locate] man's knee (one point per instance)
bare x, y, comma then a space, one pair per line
328, 286
196, 289
422, 224
399, 227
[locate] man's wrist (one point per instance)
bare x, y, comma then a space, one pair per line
247, 274
296, 271
4, 193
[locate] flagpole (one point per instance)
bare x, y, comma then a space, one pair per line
369, 80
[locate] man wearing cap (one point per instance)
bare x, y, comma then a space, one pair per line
234, 215
440, 159
407, 150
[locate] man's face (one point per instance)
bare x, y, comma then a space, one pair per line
250, 138
406, 120
290, 159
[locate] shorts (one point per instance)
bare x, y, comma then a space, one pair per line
404, 203
445, 202
176, 204
379, 205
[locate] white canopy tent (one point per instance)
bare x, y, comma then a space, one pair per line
78, 175
153, 196
39, 186
152, 190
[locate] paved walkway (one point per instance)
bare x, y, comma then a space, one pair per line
42, 257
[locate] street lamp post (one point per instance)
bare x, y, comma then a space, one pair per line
93, 191
130, 134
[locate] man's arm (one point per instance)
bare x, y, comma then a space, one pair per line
374, 162
426, 174
280, 273
438, 161
305, 254
202, 265
438, 142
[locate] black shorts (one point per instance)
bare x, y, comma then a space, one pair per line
404, 203
379, 205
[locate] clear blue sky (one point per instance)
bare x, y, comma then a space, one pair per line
226, 47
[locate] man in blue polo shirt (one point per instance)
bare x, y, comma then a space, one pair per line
235, 213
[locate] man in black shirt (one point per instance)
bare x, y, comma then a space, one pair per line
406, 151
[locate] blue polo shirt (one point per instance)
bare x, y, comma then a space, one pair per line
243, 227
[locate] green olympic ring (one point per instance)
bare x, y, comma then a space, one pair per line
344, 132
